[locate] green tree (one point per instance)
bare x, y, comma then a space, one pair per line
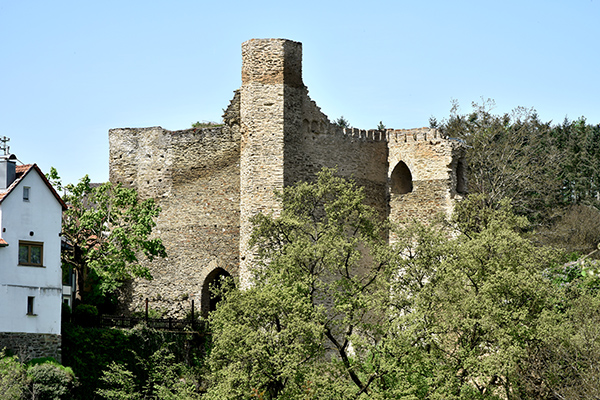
579, 170
14, 381
315, 308
107, 229
342, 122
510, 156
489, 295
118, 384
449, 311
564, 365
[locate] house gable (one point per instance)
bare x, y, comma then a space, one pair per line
30, 265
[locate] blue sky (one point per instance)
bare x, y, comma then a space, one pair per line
71, 70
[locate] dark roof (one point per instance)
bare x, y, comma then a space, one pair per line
21, 172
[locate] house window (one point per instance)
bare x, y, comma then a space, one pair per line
26, 190
31, 253
30, 305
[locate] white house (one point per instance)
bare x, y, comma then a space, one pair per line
30, 266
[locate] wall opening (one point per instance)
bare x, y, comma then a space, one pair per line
213, 280
30, 309
461, 177
401, 179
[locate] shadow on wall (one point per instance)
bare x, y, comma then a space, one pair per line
461, 177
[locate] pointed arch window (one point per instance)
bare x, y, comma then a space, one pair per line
401, 179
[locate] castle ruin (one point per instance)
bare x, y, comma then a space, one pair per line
210, 181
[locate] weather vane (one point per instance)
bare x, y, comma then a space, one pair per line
4, 146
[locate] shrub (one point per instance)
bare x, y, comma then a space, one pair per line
85, 315
13, 378
119, 383
50, 380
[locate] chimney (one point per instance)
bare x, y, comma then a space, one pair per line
7, 170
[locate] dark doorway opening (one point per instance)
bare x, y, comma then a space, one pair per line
213, 281
401, 179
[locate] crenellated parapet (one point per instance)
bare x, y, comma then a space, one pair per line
415, 135
325, 127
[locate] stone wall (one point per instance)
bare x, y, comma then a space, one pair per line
433, 165
28, 346
194, 175
356, 154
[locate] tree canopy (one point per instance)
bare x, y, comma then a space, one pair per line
549, 172
322, 265
454, 310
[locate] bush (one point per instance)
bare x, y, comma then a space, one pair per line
13, 378
85, 315
119, 383
50, 380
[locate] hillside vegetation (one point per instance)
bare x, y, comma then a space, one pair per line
500, 301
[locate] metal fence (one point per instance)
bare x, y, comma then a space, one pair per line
169, 324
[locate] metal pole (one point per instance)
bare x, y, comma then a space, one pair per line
192, 314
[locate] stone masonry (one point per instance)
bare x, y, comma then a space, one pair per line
211, 181
28, 346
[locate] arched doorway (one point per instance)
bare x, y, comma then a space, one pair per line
401, 179
213, 280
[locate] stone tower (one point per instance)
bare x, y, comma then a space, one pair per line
270, 116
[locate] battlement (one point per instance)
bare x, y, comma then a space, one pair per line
414, 135
375, 135
372, 135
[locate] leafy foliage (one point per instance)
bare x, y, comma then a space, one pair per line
13, 378
167, 379
107, 228
41, 379
323, 265
449, 311
206, 124
488, 294
568, 359
511, 156
541, 168
579, 170
51, 381
117, 362
119, 382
